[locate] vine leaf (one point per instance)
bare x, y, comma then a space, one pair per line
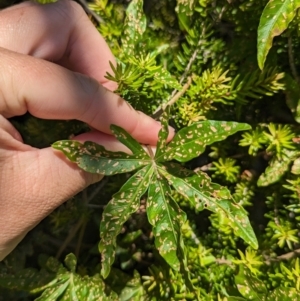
283, 294
275, 18
157, 176
93, 158
163, 214
293, 96
202, 193
185, 11
162, 135
296, 167
133, 290
191, 141
253, 288
249, 286
135, 26
70, 286
128, 141
116, 213
277, 168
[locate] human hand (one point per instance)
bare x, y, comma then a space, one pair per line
53, 62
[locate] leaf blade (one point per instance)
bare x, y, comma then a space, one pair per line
277, 168
249, 286
163, 134
185, 10
94, 158
162, 214
202, 193
125, 202
275, 18
191, 141
125, 138
135, 26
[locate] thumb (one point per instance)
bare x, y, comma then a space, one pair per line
47, 179
50, 91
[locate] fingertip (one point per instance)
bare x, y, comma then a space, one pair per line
10, 129
171, 133
106, 140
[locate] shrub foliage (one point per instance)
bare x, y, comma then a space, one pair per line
225, 75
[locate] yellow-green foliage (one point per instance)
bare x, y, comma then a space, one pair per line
203, 58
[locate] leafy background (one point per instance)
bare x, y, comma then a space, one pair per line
227, 61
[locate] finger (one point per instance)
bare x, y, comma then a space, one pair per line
109, 142
47, 179
49, 91
59, 32
6, 126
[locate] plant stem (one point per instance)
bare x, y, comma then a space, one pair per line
160, 109
80, 238
292, 60
71, 235
174, 96
81, 224
288, 256
97, 190
192, 59
90, 12
150, 151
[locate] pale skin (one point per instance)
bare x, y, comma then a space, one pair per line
53, 62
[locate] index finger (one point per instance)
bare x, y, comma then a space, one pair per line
58, 32
49, 91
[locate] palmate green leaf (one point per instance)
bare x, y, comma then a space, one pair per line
184, 264
135, 26
156, 175
134, 290
26, 279
249, 286
296, 167
163, 134
93, 158
127, 140
275, 18
292, 92
116, 213
164, 77
277, 168
283, 294
70, 286
202, 193
254, 289
191, 141
165, 217
185, 11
